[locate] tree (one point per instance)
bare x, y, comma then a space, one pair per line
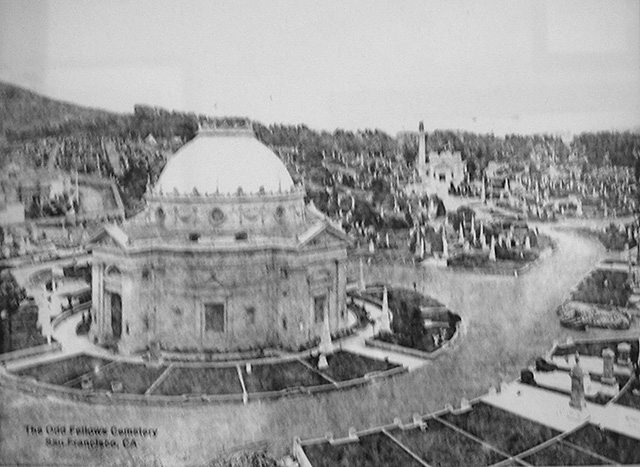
11, 294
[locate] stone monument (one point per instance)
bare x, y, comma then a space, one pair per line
577, 374
385, 318
607, 367
326, 345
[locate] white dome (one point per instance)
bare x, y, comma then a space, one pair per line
218, 161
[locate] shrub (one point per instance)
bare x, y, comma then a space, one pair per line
468, 261
604, 288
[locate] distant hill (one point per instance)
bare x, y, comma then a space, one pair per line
21, 109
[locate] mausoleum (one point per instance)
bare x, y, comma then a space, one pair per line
226, 256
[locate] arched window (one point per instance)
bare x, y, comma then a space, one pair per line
112, 271
160, 216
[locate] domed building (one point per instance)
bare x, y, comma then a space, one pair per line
226, 256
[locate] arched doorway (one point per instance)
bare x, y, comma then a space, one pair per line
116, 315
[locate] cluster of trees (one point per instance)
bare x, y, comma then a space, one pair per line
602, 148
622, 149
306, 140
11, 294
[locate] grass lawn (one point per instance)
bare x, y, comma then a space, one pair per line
21, 341
24, 330
187, 380
562, 454
377, 450
614, 446
135, 377
505, 431
344, 366
62, 371
264, 378
443, 446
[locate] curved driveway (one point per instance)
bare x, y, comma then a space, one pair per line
509, 322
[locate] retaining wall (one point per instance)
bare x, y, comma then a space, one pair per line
31, 352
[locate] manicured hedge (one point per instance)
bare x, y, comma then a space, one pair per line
408, 320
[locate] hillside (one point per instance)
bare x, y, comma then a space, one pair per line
22, 109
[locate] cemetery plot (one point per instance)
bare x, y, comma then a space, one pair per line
375, 450
134, 377
411, 311
344, 366
628, 398
564, 387
604, 288
195, 380
503, 430
594, 348
278, 376
614, 446
438, 444
63, 371
560, 453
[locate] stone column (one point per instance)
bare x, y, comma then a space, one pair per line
362, 285
607, 367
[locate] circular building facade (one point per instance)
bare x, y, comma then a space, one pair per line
226, 256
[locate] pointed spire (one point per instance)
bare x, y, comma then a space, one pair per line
445, 245
385, 317
492, 249
422, 150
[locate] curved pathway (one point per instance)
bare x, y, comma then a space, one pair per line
509, 322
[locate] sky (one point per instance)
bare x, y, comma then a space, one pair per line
557, 66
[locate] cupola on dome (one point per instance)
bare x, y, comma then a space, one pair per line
224, 161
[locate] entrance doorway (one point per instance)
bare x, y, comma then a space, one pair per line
116, 315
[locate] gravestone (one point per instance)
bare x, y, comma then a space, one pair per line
86, 383
624, 351
607, 367
117, 386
